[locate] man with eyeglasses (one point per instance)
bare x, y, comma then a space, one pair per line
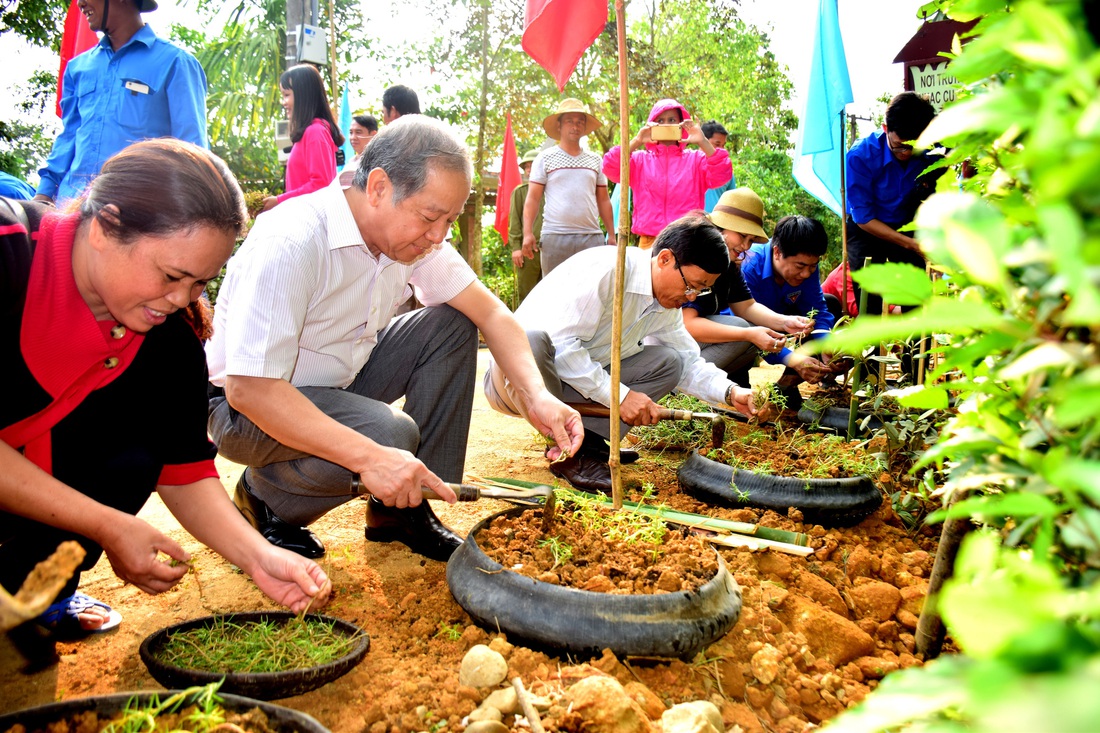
886, 183
782, 275
568, 317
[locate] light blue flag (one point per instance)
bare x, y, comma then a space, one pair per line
819, 148
345, 127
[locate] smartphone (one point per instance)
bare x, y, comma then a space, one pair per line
665, 132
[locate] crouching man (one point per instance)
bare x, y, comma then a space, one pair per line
568, 321
307, 356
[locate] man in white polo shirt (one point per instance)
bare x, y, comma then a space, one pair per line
307, 356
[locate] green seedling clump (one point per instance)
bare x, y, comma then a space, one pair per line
248, 648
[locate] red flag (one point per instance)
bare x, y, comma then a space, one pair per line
510, 177
77, 38
556, 33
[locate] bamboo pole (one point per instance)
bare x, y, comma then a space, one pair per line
843, 222
332, 49
620, 267
853, 402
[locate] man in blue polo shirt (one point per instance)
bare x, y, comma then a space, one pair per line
783, 276
131, 86
885, 187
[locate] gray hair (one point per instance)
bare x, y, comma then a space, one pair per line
406, 147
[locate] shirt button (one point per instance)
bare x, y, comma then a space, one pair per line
118, 331
110, 362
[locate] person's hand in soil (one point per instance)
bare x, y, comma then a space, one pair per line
396, 478
557, 421
797, 325
766, 339
638, 409
810, 369
292, 580
132, 547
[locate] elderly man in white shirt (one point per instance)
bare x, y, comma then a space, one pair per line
307, 356
568, 321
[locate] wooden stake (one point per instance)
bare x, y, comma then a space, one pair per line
620, 268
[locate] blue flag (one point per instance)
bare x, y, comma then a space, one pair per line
345, 127
819, 148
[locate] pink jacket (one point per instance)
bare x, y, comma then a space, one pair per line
312, 163
668, 181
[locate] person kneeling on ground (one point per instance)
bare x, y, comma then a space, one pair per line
568, 321
308, 357
731, 339
106, 385
783, 276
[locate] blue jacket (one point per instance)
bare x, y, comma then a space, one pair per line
783, 298
879, 185
109, 99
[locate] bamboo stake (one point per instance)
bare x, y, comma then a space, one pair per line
686, 519
620, 268
529, 711
853, 402
930, 631
754, 543
843, 224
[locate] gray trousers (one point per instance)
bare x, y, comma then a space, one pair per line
428, 356
732, 357
555, 249
655, 371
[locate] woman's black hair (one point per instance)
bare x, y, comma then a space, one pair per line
310, 102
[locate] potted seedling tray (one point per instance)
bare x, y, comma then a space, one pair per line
265, 655
205, 709
633, 586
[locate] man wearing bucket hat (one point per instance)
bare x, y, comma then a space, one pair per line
133, 85
528, 270
575, 191
729, 325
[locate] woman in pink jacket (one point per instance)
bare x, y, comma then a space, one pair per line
666, 178
313, 128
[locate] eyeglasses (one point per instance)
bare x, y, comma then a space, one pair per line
689, 290
897, 147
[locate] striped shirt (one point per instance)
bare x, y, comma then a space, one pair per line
573, 304
304, 299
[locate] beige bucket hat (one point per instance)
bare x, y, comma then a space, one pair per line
550, 124
741, 210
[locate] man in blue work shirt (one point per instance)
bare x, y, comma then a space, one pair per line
716, 133
131, 86
783, 276
885, 187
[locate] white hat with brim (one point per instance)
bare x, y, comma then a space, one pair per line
552, 125
741, 210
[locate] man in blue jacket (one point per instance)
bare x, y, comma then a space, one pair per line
783, 276
131, 86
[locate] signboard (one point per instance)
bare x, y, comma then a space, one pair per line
934, 82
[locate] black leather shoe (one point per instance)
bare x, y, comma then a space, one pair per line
628, 456
274, 530
584, 472
417, 527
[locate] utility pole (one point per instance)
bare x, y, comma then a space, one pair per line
297, 13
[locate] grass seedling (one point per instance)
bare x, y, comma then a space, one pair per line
267, 646
561, 551
207, 714
450, 632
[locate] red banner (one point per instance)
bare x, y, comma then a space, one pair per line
77, 38
556, 33
510, 177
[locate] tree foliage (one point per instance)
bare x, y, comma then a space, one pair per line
1021, 243
38, 22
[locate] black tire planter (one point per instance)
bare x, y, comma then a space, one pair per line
561, 620
835, 502
262, 685
282, 720
836, 419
